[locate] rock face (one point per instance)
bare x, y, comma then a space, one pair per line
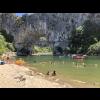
55, 26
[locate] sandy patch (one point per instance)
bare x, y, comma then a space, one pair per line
15, 76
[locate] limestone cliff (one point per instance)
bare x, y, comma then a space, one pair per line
56, 26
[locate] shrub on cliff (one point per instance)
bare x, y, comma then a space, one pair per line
8, 37
3, 45
94, 49
38, 49
10, 47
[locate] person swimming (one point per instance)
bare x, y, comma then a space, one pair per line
47, 73
54, 73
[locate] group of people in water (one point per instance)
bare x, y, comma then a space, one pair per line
53, 73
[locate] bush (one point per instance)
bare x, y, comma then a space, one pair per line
94, 49
8, 37
10, 46
37, 49
3, 45
84, 36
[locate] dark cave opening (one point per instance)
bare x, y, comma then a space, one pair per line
58, 51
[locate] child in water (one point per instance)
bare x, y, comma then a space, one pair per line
48, 73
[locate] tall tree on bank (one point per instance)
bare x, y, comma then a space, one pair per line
83, 37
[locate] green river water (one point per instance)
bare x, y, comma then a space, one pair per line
66, 67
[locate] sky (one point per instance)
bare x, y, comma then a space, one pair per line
20, 14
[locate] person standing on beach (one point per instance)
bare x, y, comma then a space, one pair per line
8, 58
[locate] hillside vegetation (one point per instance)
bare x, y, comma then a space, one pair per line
5, 45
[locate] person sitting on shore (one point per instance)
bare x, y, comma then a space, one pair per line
2, 61
3, 57
7, 59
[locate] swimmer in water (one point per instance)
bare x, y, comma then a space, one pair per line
54, 73
48, 73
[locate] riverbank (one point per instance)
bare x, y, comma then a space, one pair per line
15, 76
48, 53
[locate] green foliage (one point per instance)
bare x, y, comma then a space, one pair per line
79, 29
76, 42
43, 39
83, 37
3, 43
8, 37
10, 46
38, 49
94, 49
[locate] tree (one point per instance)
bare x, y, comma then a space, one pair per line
8, 37
94, 49
84, 36
3, 43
